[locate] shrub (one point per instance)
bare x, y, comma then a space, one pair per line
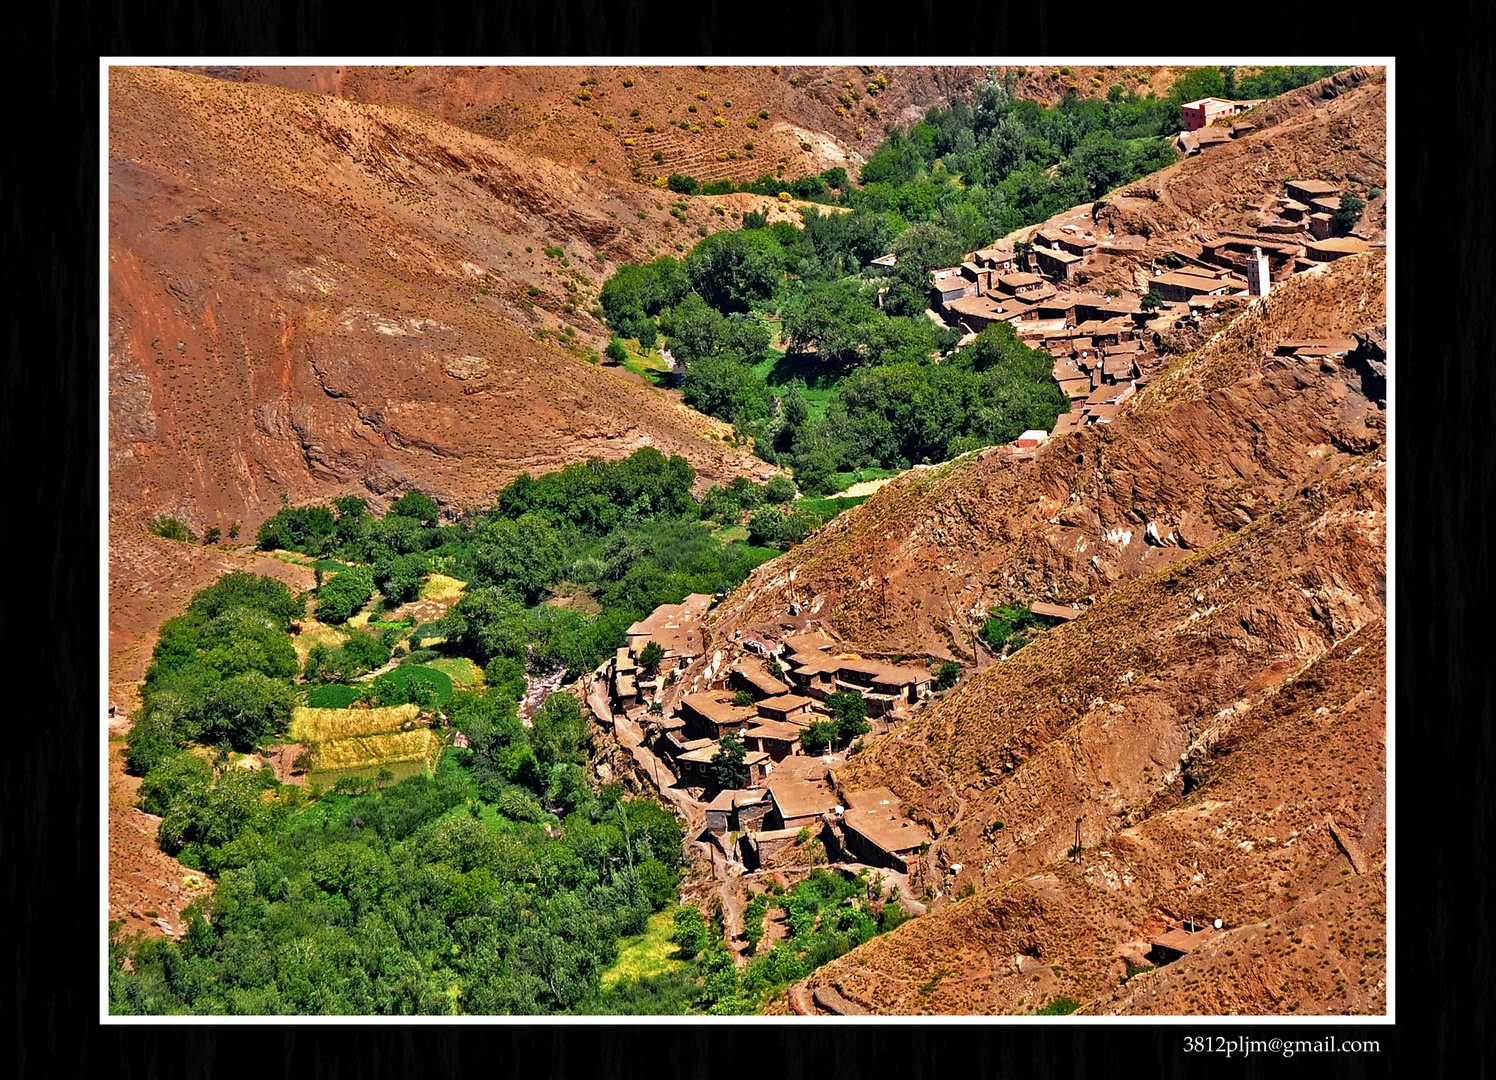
344, 593
172, 528
780, 489
334, 696
1060, 1006
946, 675
413, 683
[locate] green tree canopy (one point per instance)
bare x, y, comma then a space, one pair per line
731, 269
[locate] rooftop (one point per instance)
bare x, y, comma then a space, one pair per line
756, 675
773, 729
703, 755
1314, 187
800, 798
785, 703
717, 706
1054, 611
885, 830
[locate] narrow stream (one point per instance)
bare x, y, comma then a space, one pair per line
537, 689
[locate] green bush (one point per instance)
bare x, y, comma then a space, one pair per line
334, 696
343, 594
780, 489
172, 528
1060, 1006
425, 686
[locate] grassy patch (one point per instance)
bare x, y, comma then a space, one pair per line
780, 369
332, 696
650, 366
731, 534
845, 480
461, 670
427, 634
649, 954
826, 509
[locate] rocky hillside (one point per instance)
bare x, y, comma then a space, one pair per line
609, 119
1216, 441
310, 296
1207, 739
1335, 130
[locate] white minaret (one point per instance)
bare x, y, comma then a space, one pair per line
1258, 280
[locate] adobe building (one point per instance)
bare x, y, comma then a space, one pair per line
711, 713
877, 833
756, 680
1306, 191
1328, 250
1177, 941
798, 804
815, 678
786, 708
778, 740
1206, 111
695, 766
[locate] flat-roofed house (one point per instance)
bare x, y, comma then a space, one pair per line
1334, 248
749, 808
1207, 110
1056, 263
1031, 439
695, 765
785, 708
1181, 287
878, 834
719, 812
1175, 942
1079, 244
905, 683
755, 679
711, 713
857, 674
976, 313
797, 804
815, 678
1021, 284
676, 628
1306, 191
998, 258
777, 739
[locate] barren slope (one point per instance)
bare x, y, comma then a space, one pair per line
541, 111
1281, 835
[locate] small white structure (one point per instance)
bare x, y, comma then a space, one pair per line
1258, 281
1030, 439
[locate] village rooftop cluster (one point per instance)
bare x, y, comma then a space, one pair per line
1102, 342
